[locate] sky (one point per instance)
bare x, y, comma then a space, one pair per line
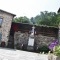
29, 8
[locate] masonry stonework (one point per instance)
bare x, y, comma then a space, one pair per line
6, 25
21, 39
41, 40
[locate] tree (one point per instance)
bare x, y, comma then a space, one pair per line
32, 20
21, 19
48, 18
44, 18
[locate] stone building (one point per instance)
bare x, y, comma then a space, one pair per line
16, 35
43, 35
5, 25
19, 34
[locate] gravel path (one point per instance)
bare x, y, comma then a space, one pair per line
9, 54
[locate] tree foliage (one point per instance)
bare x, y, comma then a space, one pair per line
48, 18
44, 18
21, 20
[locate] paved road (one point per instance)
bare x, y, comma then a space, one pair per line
9, 54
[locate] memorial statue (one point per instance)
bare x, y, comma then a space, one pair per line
32, 32
31, 40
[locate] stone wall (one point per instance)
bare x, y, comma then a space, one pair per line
41, 40
6, 25
21, 39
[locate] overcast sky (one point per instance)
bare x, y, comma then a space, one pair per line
29, 8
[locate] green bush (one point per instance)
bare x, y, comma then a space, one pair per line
56, 51
44, 49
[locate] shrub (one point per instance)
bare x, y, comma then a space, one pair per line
44, 49
56, 51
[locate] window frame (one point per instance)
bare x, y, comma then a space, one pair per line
1, 21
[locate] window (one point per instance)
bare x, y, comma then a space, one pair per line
0, 36
1, 21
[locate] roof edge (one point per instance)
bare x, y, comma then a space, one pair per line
7, 12
37, 25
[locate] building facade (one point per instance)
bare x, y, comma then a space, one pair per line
43, 35
5, 25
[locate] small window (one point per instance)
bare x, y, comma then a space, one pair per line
1, 21
0, 36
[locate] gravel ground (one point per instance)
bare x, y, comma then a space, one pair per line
10, 54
